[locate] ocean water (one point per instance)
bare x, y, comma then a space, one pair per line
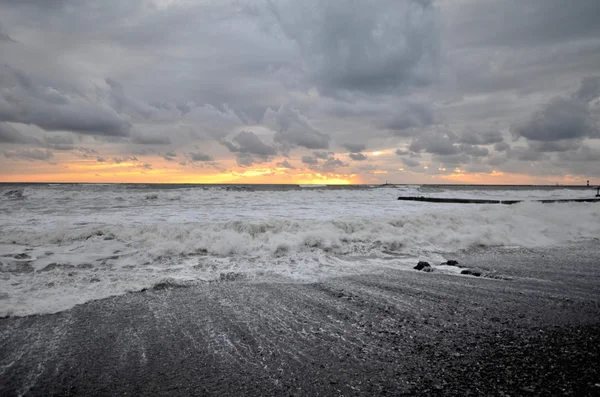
63, 245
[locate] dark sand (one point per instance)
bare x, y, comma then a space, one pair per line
399, 333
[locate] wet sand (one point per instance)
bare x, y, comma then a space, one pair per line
399, 333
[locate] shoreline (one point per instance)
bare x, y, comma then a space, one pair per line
397, 333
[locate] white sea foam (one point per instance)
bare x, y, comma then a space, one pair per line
90, 242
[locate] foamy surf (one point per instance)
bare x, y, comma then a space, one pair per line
116, 240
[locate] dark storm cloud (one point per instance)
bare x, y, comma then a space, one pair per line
354, 147
358, 156
561, 118
30, 154
304, 75
350, 46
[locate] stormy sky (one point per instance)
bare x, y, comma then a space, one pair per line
286, 91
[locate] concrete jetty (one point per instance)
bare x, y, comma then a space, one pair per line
507, 202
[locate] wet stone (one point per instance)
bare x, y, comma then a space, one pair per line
18, 268
470, 272
231, 276
422, 265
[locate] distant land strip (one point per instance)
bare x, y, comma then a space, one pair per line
514, 186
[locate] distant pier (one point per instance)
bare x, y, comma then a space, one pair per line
506, 202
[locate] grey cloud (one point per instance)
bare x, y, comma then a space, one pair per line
497, 160
59, 142
524, 154
554, 146
589, 89
501, 146
310, 160
100, 159
474, 150
410, 162
583, 154
488, 137
245, 160
355, 147
400, 152
452, 160
4, 36
9, 134
199, 157
561, 118
331, 164
119, 160
30, 154
169, 156
149, 139
322, 155
143, 152
357, 156
247, 142
411, 115
29, 101
286, 164
435, 143
350, 46
510, 23
294, 128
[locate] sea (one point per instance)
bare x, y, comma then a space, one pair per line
66, 244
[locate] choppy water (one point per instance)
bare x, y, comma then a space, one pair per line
61, 245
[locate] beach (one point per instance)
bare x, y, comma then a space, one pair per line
530, 325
